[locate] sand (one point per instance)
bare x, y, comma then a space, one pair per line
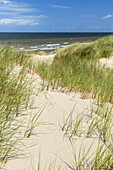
51, 145
44, 58
107, 62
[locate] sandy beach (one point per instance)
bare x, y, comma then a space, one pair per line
56, 85
52, 145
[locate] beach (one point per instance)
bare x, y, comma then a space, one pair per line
56, 85
63, 127
47, 42
51, 145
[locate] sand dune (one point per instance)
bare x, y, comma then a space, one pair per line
51, 142
107, 62
44, 58
52, 145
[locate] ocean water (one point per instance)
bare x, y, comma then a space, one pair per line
47, 41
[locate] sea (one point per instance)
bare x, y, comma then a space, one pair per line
47, 41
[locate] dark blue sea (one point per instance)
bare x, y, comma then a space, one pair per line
47, 41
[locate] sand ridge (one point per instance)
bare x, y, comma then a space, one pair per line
52, 145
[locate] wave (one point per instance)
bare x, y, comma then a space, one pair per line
50, 45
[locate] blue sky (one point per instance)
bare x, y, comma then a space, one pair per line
56, 15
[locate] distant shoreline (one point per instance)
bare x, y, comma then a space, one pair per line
47, 42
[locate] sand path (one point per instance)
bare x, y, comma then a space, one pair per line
51, 143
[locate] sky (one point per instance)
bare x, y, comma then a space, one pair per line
56, 15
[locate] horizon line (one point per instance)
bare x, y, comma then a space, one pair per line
54, 32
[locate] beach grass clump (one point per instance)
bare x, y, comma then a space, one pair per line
31, 52
63, 51
77, 68
83, 75
41, 52
14, 97
104, 47
43, 67
96, 127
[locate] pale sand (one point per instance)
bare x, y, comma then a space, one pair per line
107, 62
49, 139
44, 58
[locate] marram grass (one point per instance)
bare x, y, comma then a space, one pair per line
77, 68
14, 97
74, 68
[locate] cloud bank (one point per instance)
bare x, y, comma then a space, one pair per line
96, 27
60, 6
23, 20
18, 13
107, 16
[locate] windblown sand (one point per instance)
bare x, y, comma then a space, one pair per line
107, 62
44, 58
49, 141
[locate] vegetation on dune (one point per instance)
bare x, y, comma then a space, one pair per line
32, 53
14, 97
104, 47
99, 127
41, 52
77, 68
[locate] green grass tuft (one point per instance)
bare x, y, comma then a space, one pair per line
77, 68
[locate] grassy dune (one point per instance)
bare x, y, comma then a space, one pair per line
14, 97
77, 68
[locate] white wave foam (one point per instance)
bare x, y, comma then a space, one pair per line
34, 47
66, 43
51, 45
51, 48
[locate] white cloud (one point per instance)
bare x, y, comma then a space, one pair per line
96, 27
16, 9
9, 13
23, 20
107, 16
60, 6
5, 1
6, 6
18, 13
17, 22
